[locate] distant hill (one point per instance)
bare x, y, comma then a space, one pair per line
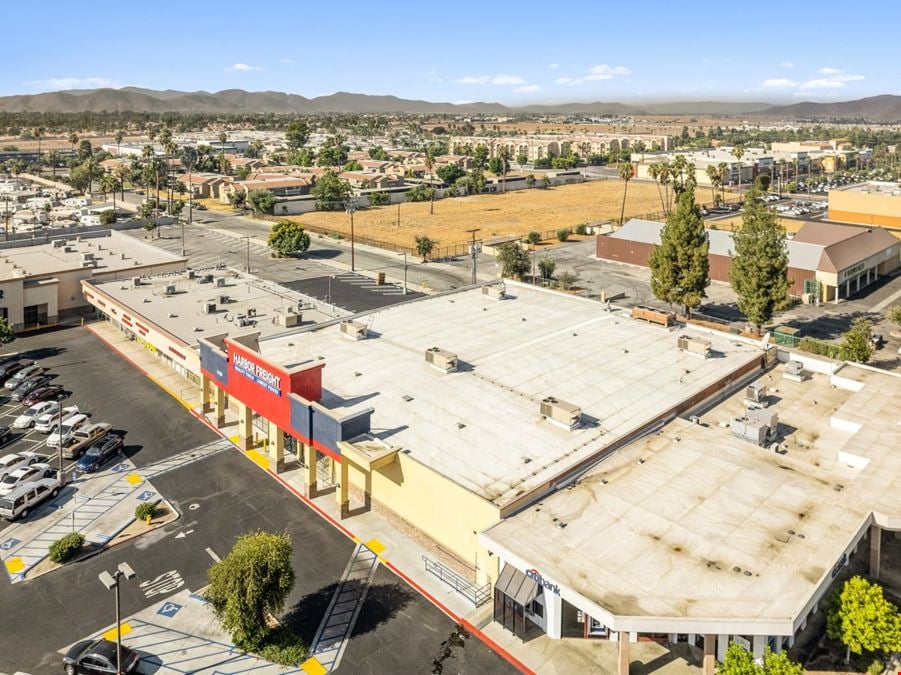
886, 108
876, 108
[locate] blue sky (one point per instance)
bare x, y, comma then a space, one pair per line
463, 51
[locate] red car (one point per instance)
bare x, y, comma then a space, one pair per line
50, 392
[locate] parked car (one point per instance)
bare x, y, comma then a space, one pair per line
100, 452
25, 498
48, 422
85, 438
25, 474
50, 392
26, 419
22, 375
62, 436
27, 386
14, 460
5, 435
10, 368
99, 656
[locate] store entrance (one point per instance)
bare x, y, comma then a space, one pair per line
513, 592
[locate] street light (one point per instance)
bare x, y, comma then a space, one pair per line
111, 581
351, 207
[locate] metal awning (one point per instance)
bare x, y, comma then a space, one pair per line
516, 585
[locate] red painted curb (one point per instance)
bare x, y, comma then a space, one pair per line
512, 660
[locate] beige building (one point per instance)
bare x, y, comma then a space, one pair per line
876, 203
41, 285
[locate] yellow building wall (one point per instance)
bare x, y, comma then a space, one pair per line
865, 208
439, 507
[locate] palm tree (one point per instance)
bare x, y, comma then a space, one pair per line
678, 173
654, 170
429, 163
109, 184
738, 152
119, 136
188, 160
723, 170
73, 140
51, 157
666, 173
713, 175
38, 133
625, 172
504, 155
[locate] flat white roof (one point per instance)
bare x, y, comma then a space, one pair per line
481, 426
695, 529
113, 253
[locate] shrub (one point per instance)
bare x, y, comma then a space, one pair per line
424, 246
107, 217
533, 237
856, 342
813, 346
567, 279
582, 228
894, 315
546, 266
288, 238
378, 198
281, 646
563, 234
513, 260
63, 550
875, 667
144, 510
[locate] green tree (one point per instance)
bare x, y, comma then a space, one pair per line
378, 198
533, 237
862, 619
738, 151
545, 182
288, 238
679, 265
108, 217
333, 152
330, 192
857, 342
297, 135
449, 173
625, 172
759, 268
513, 259
894, 315
261, 201
475, 182
378, 153
424, 246
353, 165
739, 661
251, 583
522, 158
6, 333
480, 156
567, 278
546, 266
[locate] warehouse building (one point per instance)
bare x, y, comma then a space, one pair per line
875, 203
826, 262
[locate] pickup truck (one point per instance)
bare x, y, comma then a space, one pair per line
83, 438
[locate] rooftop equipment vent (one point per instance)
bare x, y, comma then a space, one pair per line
756, 395
58, 243
441, 359
206, 279
224, 300
495, 291
757, 426
220, 282
561, 413
794, 370
169, 290
354, 330
190, 274
209, 307
694, 345
289, 319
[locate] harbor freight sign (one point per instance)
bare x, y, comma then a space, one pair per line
256, 372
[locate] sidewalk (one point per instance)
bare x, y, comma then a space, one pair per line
397, 551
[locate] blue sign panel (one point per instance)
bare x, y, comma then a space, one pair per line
301, 418
214, 363
169, 609
120, 468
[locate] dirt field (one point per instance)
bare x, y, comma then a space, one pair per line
791, 225
517, 212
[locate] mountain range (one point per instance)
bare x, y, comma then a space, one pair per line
886, 108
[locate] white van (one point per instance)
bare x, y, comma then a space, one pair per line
25, 498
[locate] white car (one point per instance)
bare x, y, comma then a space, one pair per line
50, 420
22, 375
28, 418
19, 502
25, 474
70, 426
16, 460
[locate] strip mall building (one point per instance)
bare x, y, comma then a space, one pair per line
469, 417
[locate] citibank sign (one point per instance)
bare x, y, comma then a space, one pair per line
536, 575
254, 371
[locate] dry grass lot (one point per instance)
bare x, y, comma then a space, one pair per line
517, 212
791, 225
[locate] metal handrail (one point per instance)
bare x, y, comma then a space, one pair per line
477, 595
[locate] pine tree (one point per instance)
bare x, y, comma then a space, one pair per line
760, 263
679, 265
857, 342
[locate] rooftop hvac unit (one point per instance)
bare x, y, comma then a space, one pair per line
190, 274
354, 330
289, 319
169, 290
88, 263
241, 320
67, 249
220, 282
756, 395
224, 299
58, 243
135, 282
693, 345
561, 413
251, 311
757, 426
209, 307
85, 257
441, 359
794, 370
496, 292
206, 279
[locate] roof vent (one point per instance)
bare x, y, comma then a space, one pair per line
209, 307
220, 282
58, 243
794, 370
561, 413
289, 319
441, 359
495, 291
354, 330
756, 395
224, 300
757, 426
190, 274
693, 345
205, 279
135, 282
169, 290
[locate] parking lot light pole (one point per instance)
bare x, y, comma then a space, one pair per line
111, 581
59, 434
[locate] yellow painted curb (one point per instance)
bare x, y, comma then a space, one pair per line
134, 479
312, 667
235, 439
375, 546
15, 565
258, 458
111, 633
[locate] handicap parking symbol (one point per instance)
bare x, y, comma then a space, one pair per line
147, 494
169, 609
120, 468
9, 544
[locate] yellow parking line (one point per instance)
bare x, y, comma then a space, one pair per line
375, 546
111, 633
258, 458
312, 667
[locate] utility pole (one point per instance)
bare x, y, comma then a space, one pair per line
405, 272
398, 215
351, 207
474, 251
248, 252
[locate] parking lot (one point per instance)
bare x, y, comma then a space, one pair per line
218, 497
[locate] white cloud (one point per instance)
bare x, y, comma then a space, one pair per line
846, 77
835, 79
605, 72
474, 79
779, 83
507, 79
57, 83
786, 64
287, 60
242, 68
571, 81
829, 71
822, 83
553, 66
527, 88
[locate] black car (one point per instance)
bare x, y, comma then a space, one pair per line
99, 453
10, 368
5, 434
29, 386
99, 656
